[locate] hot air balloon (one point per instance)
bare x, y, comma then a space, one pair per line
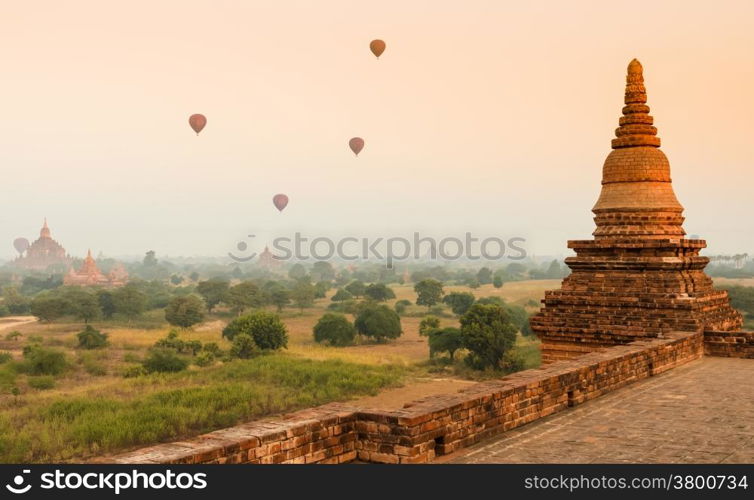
356, 144
197, 122
280, 201
21, 245
377, 47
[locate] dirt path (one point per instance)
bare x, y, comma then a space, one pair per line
393, 399
15, 321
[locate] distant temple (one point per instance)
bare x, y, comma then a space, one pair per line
90, 275
44, 252
639, 277
268, 260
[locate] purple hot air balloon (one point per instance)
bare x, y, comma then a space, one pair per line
21, 245
280, 201
356, 144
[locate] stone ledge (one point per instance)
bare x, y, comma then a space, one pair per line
431, 426
729, 344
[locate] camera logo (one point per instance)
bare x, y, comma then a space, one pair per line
18, 481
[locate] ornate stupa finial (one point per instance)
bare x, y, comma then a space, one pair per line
635, 125
45, 232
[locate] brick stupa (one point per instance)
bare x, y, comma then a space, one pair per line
639, 277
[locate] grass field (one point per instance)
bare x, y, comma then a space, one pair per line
92, 409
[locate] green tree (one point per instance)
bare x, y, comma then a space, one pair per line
428, 324
429, 292
445, 340
268, 332
379, 292
280, 297
212, 291
185, 311
14, 301
459, 302
303, 294
150, 259
323, 271
498, 281
484, 276
356, 288
106, 303
341, 295
244, 295
320, 289
334, 329
297, 272
243, 347
379, 322
49, 307
488, 334
90, 338
129, 301
83, 303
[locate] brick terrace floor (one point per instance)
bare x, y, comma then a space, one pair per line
702, 412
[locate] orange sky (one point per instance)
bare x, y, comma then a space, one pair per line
486, 116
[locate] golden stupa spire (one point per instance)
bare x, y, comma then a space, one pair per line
635, 125
45, 232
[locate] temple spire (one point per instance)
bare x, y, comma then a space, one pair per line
635, 128
45, 232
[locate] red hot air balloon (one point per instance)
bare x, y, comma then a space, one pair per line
280, 201
197, 122
377, 47
21, 245
356, 144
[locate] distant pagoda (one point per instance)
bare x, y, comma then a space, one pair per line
90, 275
638, 277
43, 253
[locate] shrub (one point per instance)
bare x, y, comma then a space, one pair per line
243, 346
428, 324
334, 329
134, 371
268, 332
164, 360
185, 311
39, 360
204, 358
14, 335
5, 356
212, 348
130, 357
401, 305
379, 322
41, 382
445, 340
91, 365
488, 333
90, 338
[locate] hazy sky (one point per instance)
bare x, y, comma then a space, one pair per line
487, 116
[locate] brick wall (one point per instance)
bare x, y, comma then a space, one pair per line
432, 426
729, 344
